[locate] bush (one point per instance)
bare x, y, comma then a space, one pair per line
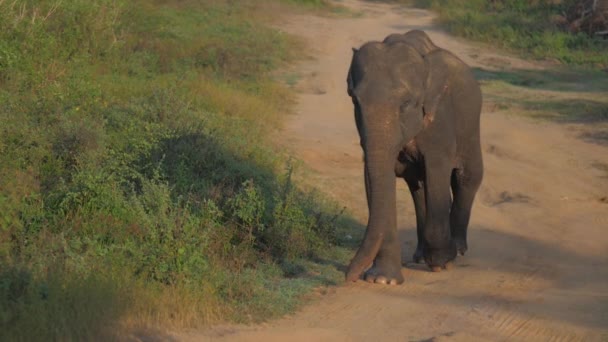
132, 166
530, 27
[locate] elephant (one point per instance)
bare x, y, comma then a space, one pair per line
417, 111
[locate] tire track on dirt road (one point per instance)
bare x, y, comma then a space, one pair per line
537, 266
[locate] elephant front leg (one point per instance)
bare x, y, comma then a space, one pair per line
386, 268
439, 248
387, 264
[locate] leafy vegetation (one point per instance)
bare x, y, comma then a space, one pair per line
136, 187
531, 27
564, 96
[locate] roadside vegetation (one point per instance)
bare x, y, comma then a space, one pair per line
537, 28
138, 187
558, 95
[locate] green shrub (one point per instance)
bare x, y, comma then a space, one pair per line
132, 166
525, 26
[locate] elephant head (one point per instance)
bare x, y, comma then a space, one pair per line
395, 92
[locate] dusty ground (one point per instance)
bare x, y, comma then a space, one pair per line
537, 266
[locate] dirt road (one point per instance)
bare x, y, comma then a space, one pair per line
537, 266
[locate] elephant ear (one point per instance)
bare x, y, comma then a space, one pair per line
436, 87
349, 79
350, 86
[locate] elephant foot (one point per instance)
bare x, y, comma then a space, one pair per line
448, 266
419, 254
461, 245
384, 273
439, 258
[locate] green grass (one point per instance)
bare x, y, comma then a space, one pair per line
524, 26
555, 79
565, 96
136, 186
562, 95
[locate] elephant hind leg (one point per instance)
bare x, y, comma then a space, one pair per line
464, 182
416, 187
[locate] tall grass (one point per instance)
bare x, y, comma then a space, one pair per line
137, 187
530, 27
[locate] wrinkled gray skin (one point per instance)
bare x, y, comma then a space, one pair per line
417, 111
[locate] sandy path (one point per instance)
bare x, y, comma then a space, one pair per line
537, 266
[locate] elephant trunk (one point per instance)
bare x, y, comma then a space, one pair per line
379, 168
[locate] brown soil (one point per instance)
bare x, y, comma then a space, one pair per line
537, 266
